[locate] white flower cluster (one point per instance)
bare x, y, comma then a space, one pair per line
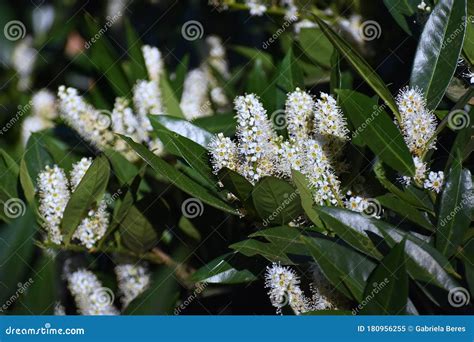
54, 192
90, 296
43, 111
260, 152
418, 125
153, 62
132, 281
53, 189
284, 290
195, 99
422, 6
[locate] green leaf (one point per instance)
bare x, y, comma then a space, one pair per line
193, 154
188, 228
425, 263
180, 75
390, 280
360, 65
346, 269
170, 102
27, 184
8, 186
220, 123
269, 251
316, 46
288, 78
182, 127
89, 191
357, 239
302, 184
455, 208
137, 62
406, 211
36, 156
137, 232
240, 187
469, 39
377, 130
253, 54
16, 252
124, 170
105, 60
226, 269
276, 201
178, 179
40, 296
439, 49
400, 9
257, 82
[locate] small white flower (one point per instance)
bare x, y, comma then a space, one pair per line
23, 59
329, 119
422, 6
43, 104
33, 124
256, 7
434, 181
132, 281
147, 100
223, 153
299, 110
305, 23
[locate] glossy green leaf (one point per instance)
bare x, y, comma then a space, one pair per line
387, 286
253, 54
276, 201
137, 62
27, 184
269, 251
170, 102
137, 232
178, 179
346, 269
406, 211
455, 208
177, 83
124, 170
16, 252
469, 39
439, 49
316, 46
377, 130
360, 65
225, 269
288, 78
220, 123
188, 228
240, 187
307, 201
36, 156
89, 191
400, 10
182, 127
